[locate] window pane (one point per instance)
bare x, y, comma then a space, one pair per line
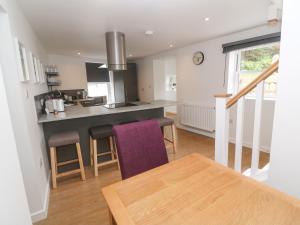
253, 62
97, 89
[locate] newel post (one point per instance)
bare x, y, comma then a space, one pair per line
222, 129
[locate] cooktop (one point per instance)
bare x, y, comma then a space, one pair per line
118, 105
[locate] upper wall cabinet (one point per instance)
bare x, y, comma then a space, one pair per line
22, 62
95, 73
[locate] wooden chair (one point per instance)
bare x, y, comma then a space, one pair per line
62, 139
101, 133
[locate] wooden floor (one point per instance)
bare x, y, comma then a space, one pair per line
81, 203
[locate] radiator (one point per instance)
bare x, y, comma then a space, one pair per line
198, 116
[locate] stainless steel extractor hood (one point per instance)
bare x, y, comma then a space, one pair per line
116, 52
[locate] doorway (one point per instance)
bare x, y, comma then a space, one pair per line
165, 81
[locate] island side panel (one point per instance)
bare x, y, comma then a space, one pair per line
82, 125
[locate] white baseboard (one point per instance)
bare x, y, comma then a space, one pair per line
212, 135
43, 213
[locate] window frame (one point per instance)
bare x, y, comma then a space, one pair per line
234, 76
109, 91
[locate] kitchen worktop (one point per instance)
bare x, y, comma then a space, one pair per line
78, 111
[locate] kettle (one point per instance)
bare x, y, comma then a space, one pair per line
53, 105
59, 105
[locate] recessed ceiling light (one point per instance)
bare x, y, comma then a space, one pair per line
149, 32
170, 45
130, 55
206, 19
78, 53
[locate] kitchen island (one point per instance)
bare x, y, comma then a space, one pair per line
80, 119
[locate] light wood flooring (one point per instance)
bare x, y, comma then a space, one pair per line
77, 202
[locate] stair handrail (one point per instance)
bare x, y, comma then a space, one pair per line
263, 76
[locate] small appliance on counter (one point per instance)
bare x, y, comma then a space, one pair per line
54, 105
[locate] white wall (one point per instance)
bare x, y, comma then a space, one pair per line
199, 84
145, 79
159, 79
170, 69
13, 205
162, 67
72, 72
28, 134
285, 155
152, 73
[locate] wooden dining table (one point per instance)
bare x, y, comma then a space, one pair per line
196, 190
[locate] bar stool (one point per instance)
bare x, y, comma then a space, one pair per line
130, 121
62, 139
97, 133
167, 122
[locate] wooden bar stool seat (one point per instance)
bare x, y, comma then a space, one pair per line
62, 139
168, 122
96, 134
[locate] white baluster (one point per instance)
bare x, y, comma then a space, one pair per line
257, 128
222, 130
239, 134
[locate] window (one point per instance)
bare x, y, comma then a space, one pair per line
96, 89
250, 63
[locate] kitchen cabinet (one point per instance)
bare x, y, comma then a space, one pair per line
95, 73
125, 84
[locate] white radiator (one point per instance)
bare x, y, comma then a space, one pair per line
200, 116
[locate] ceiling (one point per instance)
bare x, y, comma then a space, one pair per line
70, 26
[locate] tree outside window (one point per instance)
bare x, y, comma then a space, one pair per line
252, 62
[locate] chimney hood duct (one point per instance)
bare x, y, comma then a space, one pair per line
116, 52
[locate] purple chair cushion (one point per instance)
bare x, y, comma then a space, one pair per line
140, 147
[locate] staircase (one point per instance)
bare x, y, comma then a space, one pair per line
223, 104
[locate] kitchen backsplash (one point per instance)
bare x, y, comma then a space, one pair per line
38, 98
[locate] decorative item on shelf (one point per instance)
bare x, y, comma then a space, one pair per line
198, 58
51, 70
52, 76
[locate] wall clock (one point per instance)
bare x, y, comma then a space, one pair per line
198, 58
